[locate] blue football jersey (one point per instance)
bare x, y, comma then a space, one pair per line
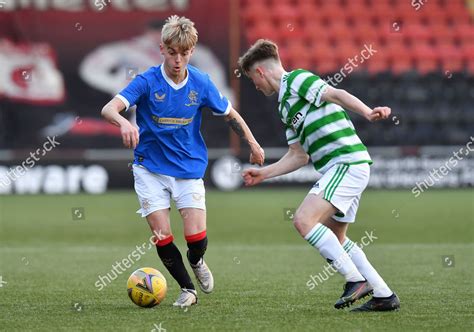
169, 120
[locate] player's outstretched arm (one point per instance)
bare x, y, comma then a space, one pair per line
352, 103
295, 158
238, 125
111, 112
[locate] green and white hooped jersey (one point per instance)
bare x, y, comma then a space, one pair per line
324, 129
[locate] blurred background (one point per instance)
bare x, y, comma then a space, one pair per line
62, 60
67, 205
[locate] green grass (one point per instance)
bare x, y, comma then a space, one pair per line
260, 264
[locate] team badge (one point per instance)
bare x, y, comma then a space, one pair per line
197, 197
193, 99
146, 204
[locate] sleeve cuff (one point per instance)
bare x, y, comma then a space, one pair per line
294, 140
124, 100
317, 102
227, 110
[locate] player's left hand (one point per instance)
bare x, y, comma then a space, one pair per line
379, 113
252, 176
257, 155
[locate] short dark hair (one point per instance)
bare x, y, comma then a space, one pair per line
262, 49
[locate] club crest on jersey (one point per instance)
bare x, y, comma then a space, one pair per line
193, 98
160, 98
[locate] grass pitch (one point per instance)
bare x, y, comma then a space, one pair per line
49, 264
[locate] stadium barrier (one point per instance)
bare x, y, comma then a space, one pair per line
96, 171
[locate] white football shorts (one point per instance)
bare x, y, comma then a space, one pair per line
343, 185
155, 191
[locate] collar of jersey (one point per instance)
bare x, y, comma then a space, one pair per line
170, 81
282, 91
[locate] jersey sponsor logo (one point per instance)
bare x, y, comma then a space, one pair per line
160, 98
297, 120
172, 121
193, 98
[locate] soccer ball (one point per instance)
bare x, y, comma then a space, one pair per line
146, 287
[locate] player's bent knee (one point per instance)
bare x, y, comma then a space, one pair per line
160, 233
304, 223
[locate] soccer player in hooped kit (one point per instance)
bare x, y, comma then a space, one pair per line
318, 129
170, 154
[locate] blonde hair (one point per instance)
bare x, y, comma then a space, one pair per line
179, 31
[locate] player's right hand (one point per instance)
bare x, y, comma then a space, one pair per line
252, 176
129, 135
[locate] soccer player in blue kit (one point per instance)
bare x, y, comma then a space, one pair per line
170, 156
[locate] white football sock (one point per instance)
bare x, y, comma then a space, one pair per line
363, 265
323, 239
